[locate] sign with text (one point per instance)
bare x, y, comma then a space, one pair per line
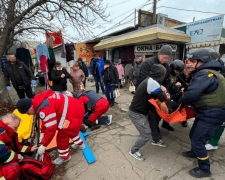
153, 48
205, 30
86, 52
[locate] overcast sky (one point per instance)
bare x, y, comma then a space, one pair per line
119, 7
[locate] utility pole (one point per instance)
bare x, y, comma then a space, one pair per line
135, 18
154, 12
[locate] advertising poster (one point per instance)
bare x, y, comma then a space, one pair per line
209, 29
86, 52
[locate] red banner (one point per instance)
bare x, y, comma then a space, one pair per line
57, 38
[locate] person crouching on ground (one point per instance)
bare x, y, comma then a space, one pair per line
57, 112
140, 108
77, 78
96, 106
11, 150
111, 79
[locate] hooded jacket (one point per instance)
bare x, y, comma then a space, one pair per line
9, 144
24, 71
111, 73
146, 68
59, 84
58, 112
202, 83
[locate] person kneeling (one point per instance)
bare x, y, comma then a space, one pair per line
96, 104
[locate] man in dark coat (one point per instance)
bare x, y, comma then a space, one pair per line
83, 67
59, 77
20, 76
111, 79
162, 58
206, 91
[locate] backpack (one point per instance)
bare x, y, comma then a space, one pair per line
35, 170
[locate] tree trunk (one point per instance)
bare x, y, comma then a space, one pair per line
4, 43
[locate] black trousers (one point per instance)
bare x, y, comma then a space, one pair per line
27, 90
154, 119
84, 83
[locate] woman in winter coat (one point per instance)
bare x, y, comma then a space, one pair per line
59, 77
77, 78
120, 69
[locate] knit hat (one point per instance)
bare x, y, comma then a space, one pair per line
79, 59
23, 105
158, 72
95, 55
107, 62
166, 50
58, 63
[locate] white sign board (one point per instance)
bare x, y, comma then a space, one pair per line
205, 30
153, 48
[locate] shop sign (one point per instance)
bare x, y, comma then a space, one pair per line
86, 52
205, 30
153, 48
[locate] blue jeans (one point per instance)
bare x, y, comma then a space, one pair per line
103, 120
99, 79
109, 89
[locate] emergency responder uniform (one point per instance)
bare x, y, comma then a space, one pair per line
206, 91
62, 113
96, 105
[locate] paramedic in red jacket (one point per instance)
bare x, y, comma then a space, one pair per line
10, 149
57, 112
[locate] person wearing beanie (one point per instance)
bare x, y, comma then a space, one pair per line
77, 78
59, 77
111, 79
60, 113
163, 57
120, 70
96, 67
140, 108
83, 67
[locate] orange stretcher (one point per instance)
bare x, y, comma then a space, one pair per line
176, 116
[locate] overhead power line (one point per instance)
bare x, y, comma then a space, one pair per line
189, 10
120, 22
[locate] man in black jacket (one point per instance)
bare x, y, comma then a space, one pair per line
20, 76
59, 77
111, 78
140, 107
162, 58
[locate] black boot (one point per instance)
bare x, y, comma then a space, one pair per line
83, 130
90, 125
167, 126
184, 123
188, 154
198, 173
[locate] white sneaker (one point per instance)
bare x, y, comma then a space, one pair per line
59, 161
137, 155
110, 119
75, 146
209, 147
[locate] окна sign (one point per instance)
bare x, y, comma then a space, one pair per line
153, 48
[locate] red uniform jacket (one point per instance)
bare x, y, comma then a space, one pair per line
58, 112
9, 145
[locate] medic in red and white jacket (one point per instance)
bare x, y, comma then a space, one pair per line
62, 113
9, 149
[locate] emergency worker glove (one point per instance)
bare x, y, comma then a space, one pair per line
41, 150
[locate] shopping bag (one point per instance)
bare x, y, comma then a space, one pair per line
82, 86
132, 87
116, 93
123, 81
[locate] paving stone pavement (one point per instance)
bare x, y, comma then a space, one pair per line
111, 144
